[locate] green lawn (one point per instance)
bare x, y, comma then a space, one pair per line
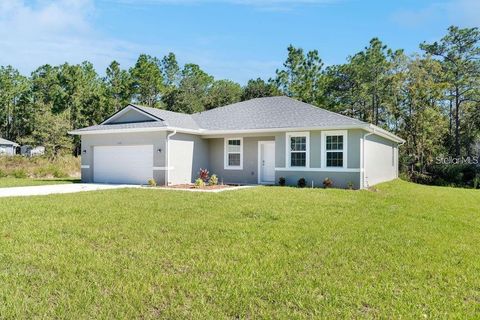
16, 182
406, 251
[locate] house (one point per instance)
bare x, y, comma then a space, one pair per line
31, 151
251, 142
8, 148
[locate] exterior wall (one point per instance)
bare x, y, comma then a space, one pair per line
340, 179
249, 173
7, 150
130, 116
187, 154
157, 139
381, 160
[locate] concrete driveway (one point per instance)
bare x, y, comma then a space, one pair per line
58, 188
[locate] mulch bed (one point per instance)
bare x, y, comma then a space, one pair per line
192, 186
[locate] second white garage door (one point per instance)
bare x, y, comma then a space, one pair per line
123, 164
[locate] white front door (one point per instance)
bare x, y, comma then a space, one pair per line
123, 164
266, 162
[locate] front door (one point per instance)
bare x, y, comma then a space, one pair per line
266, 162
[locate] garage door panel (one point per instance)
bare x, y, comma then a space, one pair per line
123, 164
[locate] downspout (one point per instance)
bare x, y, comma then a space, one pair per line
167, 161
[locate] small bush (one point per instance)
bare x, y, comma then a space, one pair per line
3, 173
327, 183
301, 183
350, 185
19, 173
152, 182
199, 183
213, 180
282, 181
203, 174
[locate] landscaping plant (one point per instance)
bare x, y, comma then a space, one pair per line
199, 183
281, 181
301, 183
327, 183
203, 174
213, 180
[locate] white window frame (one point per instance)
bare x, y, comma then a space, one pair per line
226, 153
288, 151
343, 133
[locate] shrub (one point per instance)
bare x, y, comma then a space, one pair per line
282, 181
3, 173
152, 182
213, 180
199, 183
19, 173
350, 185
203, 174
301, 183
327, 183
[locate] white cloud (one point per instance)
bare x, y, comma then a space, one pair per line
54, 32
459, 12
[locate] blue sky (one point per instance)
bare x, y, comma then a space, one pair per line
234, 39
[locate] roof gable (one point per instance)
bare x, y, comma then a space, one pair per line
130, 114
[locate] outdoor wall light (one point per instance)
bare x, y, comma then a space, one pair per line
159, 150
84, 151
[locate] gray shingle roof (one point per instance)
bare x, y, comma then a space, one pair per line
260, 113
133, 125
273, 112
172, 119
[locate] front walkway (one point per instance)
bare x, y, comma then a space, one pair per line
58, 188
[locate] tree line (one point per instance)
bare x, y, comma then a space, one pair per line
430, 98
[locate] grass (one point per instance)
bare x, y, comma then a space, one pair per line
405, 251
22, 182
39, 167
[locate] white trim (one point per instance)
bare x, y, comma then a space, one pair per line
162, 168
225, 154
320, 169
214, 133
343, 133
259, 168
125, 110
288, 151
85, 166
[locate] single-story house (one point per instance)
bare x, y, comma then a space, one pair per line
250, 142
7, 148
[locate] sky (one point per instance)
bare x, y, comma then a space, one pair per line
230, 39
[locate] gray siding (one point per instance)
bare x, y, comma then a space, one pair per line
340, 179
381, 160
188, 153
249, 174
131, 116
157, 139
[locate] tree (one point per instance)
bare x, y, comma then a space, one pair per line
190, 96
258, 88
459, 52
170, 70
118, 86
51, 131
147, 81
13, 91
222, 93
302, 76
424, 125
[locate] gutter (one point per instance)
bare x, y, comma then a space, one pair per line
167, 160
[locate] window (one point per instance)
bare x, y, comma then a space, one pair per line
234, 153
334, 147
297, 149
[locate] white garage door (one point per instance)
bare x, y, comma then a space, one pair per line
123, 164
